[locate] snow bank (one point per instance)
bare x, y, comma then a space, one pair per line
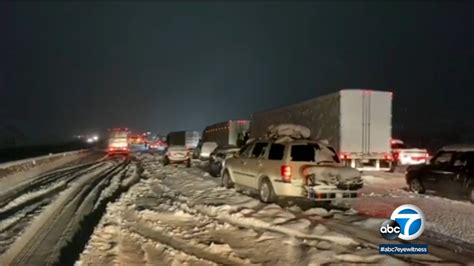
21, 172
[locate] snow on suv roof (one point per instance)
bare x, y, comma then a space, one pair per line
459, 147
285, 140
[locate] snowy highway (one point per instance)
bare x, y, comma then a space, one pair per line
136, 211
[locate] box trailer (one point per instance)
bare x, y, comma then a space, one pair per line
189, 139
357, 123
117, 142
231, 132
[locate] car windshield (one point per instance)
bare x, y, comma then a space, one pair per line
313, 152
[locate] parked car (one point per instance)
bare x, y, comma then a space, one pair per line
137, 143
177, 155
404, 156
218, 157
292, 168
206, 149
158, 146
449, 172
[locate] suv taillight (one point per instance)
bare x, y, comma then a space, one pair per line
285, 172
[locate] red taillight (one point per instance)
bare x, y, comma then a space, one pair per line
343, 156
396, 155
285, 171
387, 157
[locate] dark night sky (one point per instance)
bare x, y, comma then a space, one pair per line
70, 68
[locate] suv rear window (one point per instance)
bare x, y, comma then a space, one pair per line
312, 152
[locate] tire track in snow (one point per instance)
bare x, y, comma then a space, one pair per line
16, 215
246, 238
442, 250
43, 180
51, 235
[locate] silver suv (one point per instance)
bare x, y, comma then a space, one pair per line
291, 168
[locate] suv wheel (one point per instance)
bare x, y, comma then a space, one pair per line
226, 180
416, 186
266, 192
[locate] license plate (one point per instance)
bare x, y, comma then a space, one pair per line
365, 160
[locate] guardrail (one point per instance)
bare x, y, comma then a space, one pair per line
37, 159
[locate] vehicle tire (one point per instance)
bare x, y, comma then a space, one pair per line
188, 163
471, 194
212, 170
416, 186
227, 181
165, 161
266, 192
393, 167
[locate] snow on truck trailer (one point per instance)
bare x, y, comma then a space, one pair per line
189, 139
357, 123
226, 133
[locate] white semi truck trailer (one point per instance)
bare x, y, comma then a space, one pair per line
189, 139
356, 122
230, 132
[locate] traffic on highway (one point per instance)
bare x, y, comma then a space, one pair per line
319, 186
236, 134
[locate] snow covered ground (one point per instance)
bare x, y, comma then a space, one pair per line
46, 220
179, 216
86, 214
446, 218
17, 173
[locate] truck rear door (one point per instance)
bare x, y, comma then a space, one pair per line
366, 119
